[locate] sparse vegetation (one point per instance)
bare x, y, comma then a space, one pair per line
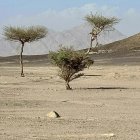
70, 63
24, 35
99, 23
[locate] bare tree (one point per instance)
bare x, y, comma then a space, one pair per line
23, 35
99, 23
70, 63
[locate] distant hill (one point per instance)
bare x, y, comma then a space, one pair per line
78, 37
126, 45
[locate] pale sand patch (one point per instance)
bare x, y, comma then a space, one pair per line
109, 135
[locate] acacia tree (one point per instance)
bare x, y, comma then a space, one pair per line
70, 63
99, 23
23, 35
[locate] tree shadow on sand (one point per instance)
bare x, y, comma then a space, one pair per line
104, 88
88, 75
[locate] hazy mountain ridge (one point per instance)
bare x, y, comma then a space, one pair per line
78, 37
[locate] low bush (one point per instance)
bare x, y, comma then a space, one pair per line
70, 63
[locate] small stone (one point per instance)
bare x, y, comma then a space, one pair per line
53, 114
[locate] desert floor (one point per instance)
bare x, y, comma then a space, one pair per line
103, 105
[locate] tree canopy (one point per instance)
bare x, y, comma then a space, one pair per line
25, 34
100, 21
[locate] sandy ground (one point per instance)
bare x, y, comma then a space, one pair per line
103, 105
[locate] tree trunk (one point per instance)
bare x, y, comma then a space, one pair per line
68, 86
91, 40
21, 60
96, 42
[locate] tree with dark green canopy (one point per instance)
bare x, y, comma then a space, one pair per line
23, 35
70, 63
99, 23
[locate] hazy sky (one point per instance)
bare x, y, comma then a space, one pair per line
65, 14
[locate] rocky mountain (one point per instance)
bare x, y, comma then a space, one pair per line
78, 37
